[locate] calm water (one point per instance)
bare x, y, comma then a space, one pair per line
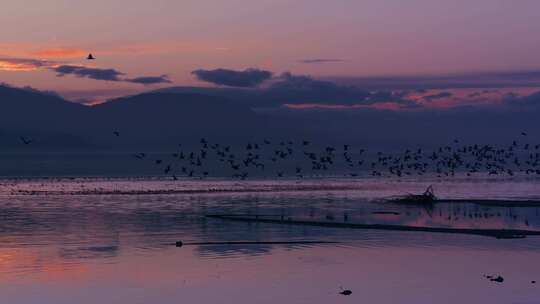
112, 241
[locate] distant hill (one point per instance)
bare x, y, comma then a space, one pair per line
162, 120
155, 120
43, 116
160, 117
24, 107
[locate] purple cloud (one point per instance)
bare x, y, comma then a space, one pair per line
85, 72
149, 80
248, 78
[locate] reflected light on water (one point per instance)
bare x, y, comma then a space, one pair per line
119, 248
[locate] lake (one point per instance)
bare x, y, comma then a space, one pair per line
112, 240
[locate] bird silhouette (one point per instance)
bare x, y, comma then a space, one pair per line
25, 140
345, 292
139, 155
90, 57
280, 156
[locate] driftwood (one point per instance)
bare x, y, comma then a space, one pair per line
426, 198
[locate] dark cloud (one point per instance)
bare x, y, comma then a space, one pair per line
320, 60
288, 88
294, 89
148, 80
29, 64
301, 82
248, 78
298, 89
86, 72
437, 96
106, 74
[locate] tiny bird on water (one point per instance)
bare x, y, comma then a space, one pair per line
90, 57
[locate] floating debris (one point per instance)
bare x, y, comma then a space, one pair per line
428, 197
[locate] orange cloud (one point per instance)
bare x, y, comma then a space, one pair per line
16, 67
59, 53
23, 64
52, 51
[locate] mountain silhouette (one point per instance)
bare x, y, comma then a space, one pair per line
30, 113
155, 118
162, 120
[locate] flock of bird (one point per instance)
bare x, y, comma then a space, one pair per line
308, 160
303, 159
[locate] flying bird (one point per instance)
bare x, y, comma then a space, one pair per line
140, 155
345, 292
25, 140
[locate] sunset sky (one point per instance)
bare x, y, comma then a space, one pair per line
342, 38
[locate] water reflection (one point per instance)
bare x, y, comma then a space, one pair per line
127, 241
89, 252
156, 221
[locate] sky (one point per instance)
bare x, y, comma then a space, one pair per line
169, 39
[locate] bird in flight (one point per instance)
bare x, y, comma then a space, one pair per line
25, 140
90, 57
345, 292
